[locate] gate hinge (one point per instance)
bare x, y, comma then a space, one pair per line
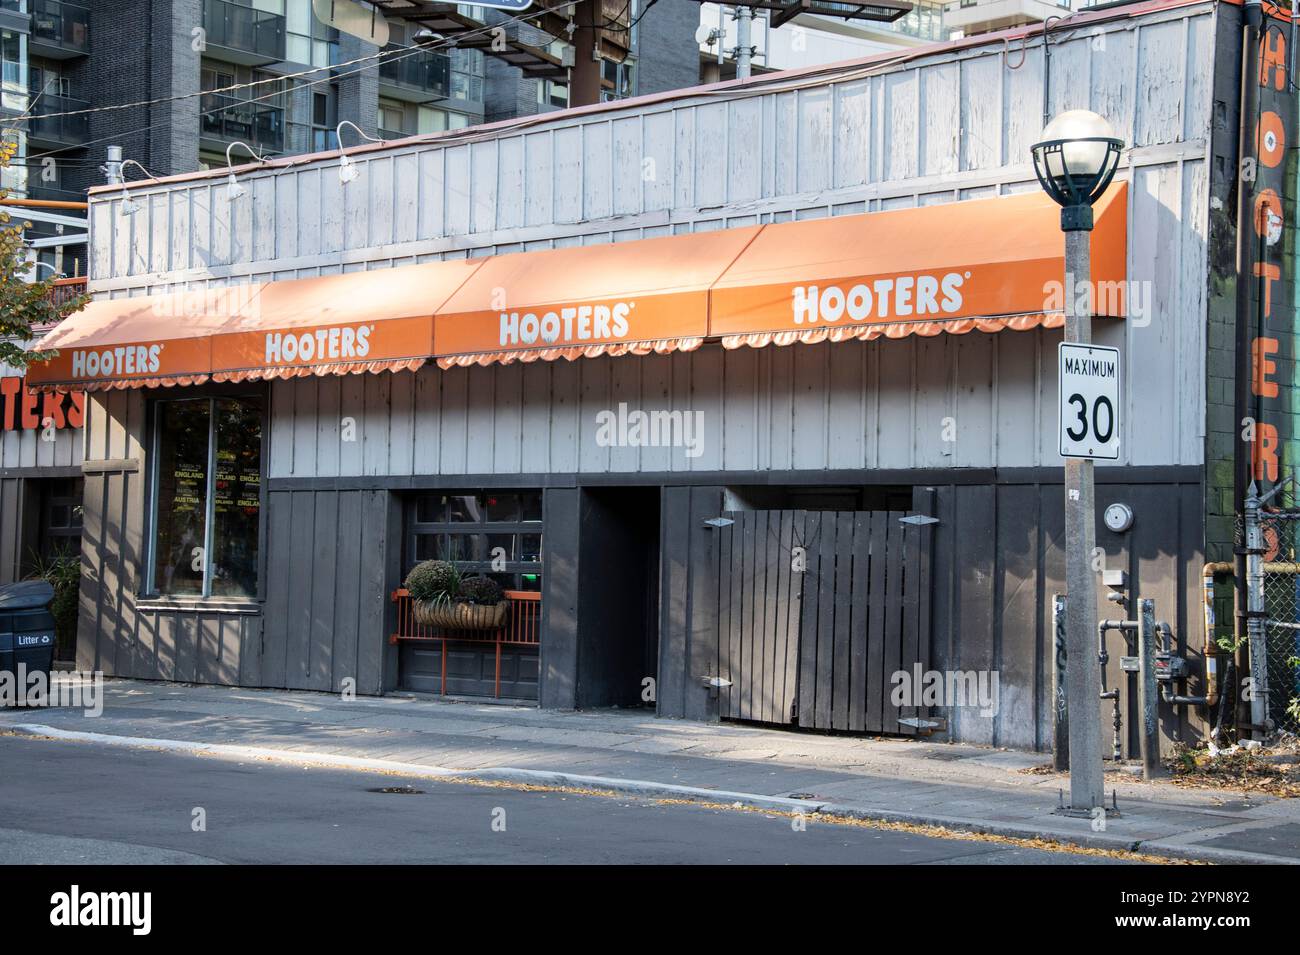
918, 519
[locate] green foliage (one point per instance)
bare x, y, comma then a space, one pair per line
434, 581
63, 572
23, 305
1228, 644
481, 590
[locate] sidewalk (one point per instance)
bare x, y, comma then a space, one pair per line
955, 786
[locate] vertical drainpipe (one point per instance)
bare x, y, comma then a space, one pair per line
1253, 16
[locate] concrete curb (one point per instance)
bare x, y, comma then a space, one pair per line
639, 787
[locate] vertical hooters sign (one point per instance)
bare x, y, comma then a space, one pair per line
22, 409
1273, 342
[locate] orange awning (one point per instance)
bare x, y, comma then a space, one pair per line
374, 321
335, 324
138, 342
638, 297
977, 265
983, 264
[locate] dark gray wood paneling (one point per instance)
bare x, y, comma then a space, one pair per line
559, 650
999, 558
688, 612
326, 549
92, 547
1019, 624
674, 550
298, 551
10, 529
700, 702
275, 635
975, 534
328, 591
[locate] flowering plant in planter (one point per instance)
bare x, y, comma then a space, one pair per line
442, 597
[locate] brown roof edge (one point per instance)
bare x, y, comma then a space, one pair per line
1082, 17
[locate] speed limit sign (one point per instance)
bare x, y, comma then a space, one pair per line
1089, 405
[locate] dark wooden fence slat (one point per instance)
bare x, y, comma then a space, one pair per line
826, 622
725, 669
860, 607
747, 656
877, 681
787, 616
925, 501
843, 633
764, 613
736, 588
808, 620
911, 613
893, 634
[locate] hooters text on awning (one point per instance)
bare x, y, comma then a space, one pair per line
978, 265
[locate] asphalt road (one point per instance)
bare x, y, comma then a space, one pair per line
80, 803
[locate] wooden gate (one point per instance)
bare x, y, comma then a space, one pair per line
817, 610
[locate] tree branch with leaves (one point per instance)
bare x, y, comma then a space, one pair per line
25, 306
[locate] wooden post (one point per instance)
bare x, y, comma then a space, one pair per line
584, 78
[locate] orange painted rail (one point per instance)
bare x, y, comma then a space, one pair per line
523, 627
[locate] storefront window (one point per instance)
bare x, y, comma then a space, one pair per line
207, 481
487, 532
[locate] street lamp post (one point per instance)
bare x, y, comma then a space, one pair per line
1075, 162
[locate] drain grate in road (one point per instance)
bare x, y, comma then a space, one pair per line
400, 790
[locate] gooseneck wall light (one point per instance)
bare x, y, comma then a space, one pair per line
233, 187
348, 170
129, 206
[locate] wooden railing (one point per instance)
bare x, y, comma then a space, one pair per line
65, 290
523, 627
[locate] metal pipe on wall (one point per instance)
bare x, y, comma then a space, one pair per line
1210, 649
1252, 13
744, 21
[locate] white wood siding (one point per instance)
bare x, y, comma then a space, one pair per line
939, 129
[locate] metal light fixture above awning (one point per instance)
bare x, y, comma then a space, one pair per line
979, 265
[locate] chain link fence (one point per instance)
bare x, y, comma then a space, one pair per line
1278, 570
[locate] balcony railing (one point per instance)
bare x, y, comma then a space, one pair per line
53, 128
229, 119
243, 29
62, 26
523, 628
63, 291
426, 71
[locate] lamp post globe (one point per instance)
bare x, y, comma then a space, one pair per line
1075, 160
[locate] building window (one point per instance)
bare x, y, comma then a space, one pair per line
392, 120
207, 504
325, 119
497, 533
551, 93
61, 518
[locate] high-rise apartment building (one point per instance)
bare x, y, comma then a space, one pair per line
176, 83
